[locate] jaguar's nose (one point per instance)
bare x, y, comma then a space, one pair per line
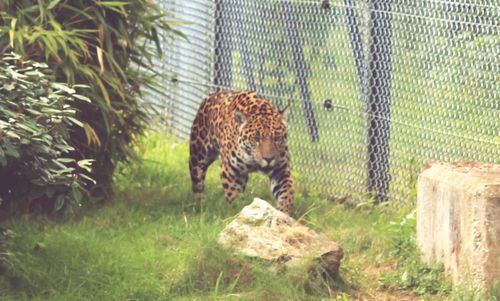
268, 160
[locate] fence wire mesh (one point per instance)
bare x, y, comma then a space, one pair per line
376, 88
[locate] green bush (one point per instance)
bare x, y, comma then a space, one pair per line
411, 273
106, 45
36, 115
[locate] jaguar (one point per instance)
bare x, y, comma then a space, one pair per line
250, 135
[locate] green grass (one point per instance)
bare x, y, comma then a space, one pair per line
152, 242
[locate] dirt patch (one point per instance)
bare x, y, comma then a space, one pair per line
372, 273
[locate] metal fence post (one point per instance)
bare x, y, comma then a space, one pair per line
379, 99
301, 67
357, 46
223, 49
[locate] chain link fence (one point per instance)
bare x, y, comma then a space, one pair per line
376, 88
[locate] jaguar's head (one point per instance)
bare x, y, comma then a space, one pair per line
263, 137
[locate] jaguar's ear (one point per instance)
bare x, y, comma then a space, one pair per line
239, 117
284, 113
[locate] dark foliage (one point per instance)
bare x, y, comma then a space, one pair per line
106, 45
36, 115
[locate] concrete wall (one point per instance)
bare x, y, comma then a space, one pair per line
458, 220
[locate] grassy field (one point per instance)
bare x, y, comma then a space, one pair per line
152, 242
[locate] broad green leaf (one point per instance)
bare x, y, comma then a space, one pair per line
81, 97
77, 195
75, 121
9, 87
112, 3
4, 125
60, 200
103, 90
10, 150
86, 164
53, 4
63, 87
81, 86
92, 137
66, 170
156, 39
12, 134
34, 73
40, 65
12, 31
51, 110
65, 160
100, 59
26, 126
84, 176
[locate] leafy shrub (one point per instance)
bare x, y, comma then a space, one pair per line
35, 117
411, 273
106, 45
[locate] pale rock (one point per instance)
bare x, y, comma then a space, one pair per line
261, 231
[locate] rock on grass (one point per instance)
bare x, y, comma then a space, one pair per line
261, 231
